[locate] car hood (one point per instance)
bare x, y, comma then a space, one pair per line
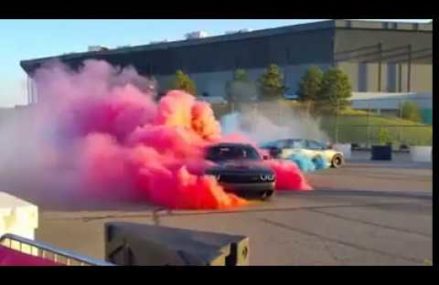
240, 166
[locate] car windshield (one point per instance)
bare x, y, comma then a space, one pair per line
221, 153
276, 144
315, 145
268, 144
283, 143
295, 143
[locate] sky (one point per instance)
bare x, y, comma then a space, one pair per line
27, 39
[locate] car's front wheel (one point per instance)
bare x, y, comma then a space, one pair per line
337, 161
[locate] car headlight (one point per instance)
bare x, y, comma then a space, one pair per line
267, 177
214, 174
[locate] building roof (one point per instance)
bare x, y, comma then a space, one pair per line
29, 65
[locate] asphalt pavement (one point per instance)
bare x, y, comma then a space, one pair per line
365, 213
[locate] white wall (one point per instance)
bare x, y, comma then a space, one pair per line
375, 100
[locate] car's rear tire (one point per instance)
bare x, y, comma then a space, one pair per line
267, 195
337, 161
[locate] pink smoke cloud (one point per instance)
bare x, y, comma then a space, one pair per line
122, 143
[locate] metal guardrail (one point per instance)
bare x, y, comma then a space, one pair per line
48, 252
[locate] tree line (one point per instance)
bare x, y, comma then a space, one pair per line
270, 85
330, 89
318, 91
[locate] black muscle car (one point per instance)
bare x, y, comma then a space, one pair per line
239, 168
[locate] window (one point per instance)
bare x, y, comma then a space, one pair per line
391, 77
362, 77
295, 144
314, 145
281, 144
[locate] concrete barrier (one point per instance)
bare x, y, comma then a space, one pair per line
344, 148
421, 153
17, 216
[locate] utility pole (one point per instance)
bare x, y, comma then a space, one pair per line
401, 103
380, 55
409, 67
337, 120
368, 124
400, 77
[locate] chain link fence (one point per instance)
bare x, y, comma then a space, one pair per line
363, 123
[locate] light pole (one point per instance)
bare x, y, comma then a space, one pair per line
368, 124
337, 120
409, 67
380, 51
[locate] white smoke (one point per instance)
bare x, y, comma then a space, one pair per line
26, 161
271, 121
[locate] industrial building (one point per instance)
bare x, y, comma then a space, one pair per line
377, 56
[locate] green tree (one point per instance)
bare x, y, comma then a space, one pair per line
240, 75
310, 84
335, 90
240, 88
411, 111
271, 83
384, 136
182, 81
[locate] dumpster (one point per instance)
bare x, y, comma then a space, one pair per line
381, 152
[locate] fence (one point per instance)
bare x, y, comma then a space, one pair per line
377, 121
48, 252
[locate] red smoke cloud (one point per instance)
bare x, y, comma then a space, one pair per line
122, 143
